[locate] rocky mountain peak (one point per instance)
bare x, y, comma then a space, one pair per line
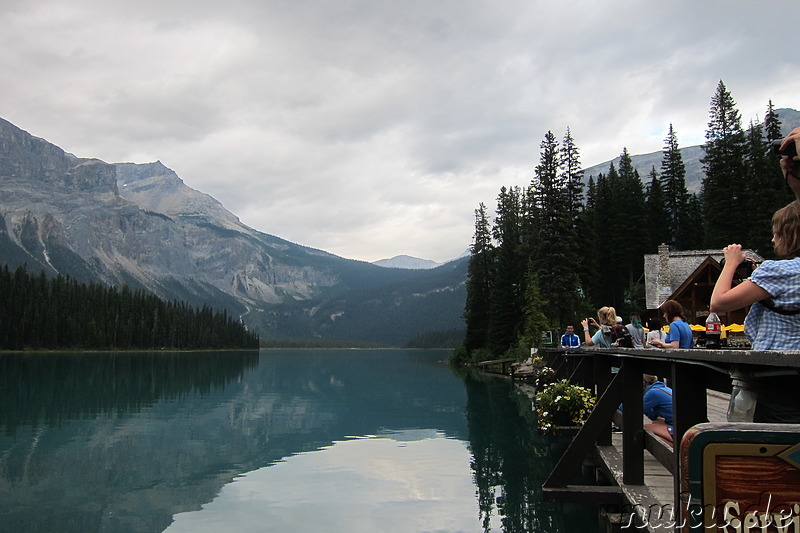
28, 159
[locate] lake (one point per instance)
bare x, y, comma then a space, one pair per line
276, 441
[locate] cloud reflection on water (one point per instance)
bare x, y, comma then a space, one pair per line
396, 482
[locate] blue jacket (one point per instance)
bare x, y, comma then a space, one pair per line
570, 341
658, 402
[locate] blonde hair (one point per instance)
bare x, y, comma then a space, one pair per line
649, 378
786, 225
607, 315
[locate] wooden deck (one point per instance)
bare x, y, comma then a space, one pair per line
640, 474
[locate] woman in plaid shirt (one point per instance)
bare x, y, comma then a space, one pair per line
773, 323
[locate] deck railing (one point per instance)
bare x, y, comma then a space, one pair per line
616, 375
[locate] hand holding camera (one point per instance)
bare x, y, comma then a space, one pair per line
789, 150
735, 256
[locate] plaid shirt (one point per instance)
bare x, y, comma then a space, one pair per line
766, 329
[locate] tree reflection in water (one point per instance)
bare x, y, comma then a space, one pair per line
511, 460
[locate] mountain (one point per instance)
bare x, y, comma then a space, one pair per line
140, 225
691, 155
406, 261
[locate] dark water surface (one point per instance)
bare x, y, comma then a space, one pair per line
281, 441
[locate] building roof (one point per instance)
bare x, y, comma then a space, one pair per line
666, 271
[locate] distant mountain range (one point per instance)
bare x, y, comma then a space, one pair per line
413, 263
406, 261
140, 225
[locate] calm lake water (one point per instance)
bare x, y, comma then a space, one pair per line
281, 441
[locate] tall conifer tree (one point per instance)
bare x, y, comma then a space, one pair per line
509, 274
772, 124
587, 246
631, 234
673, 185
658, 219
724, 166
554, 257
479, 272
572, 175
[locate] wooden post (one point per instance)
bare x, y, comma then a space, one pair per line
689, 407
632, 430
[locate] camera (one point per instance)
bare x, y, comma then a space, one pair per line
790, 150
744, 269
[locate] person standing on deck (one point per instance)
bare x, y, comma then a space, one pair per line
602, 337
569, 339
636, 330
773, 323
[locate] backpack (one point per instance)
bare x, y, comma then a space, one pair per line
621, 336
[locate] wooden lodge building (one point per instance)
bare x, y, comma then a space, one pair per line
687, 276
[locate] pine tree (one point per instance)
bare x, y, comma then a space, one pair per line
724, 165
572, 175
588, 246
673, 185
693, 240
603, 220
759, 197
554, 258
772, 124
765, 189
534, 307
509, 274
658, 219
630, 233
479, 270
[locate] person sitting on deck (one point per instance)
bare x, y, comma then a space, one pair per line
655, 333
680, 333
658, 406
602, 337
773, 323
569, 339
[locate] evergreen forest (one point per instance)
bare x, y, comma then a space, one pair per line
59, 313
564, 245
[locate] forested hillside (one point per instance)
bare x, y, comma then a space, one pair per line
557, 250
60, 313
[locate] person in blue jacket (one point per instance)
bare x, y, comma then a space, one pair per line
658, 406
569, 339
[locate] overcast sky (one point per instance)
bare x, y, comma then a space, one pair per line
374, 128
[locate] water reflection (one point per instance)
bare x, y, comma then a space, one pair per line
393, 483
131, 442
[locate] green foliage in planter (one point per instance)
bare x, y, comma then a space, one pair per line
562, 403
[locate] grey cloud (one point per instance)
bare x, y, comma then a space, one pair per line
372, 129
